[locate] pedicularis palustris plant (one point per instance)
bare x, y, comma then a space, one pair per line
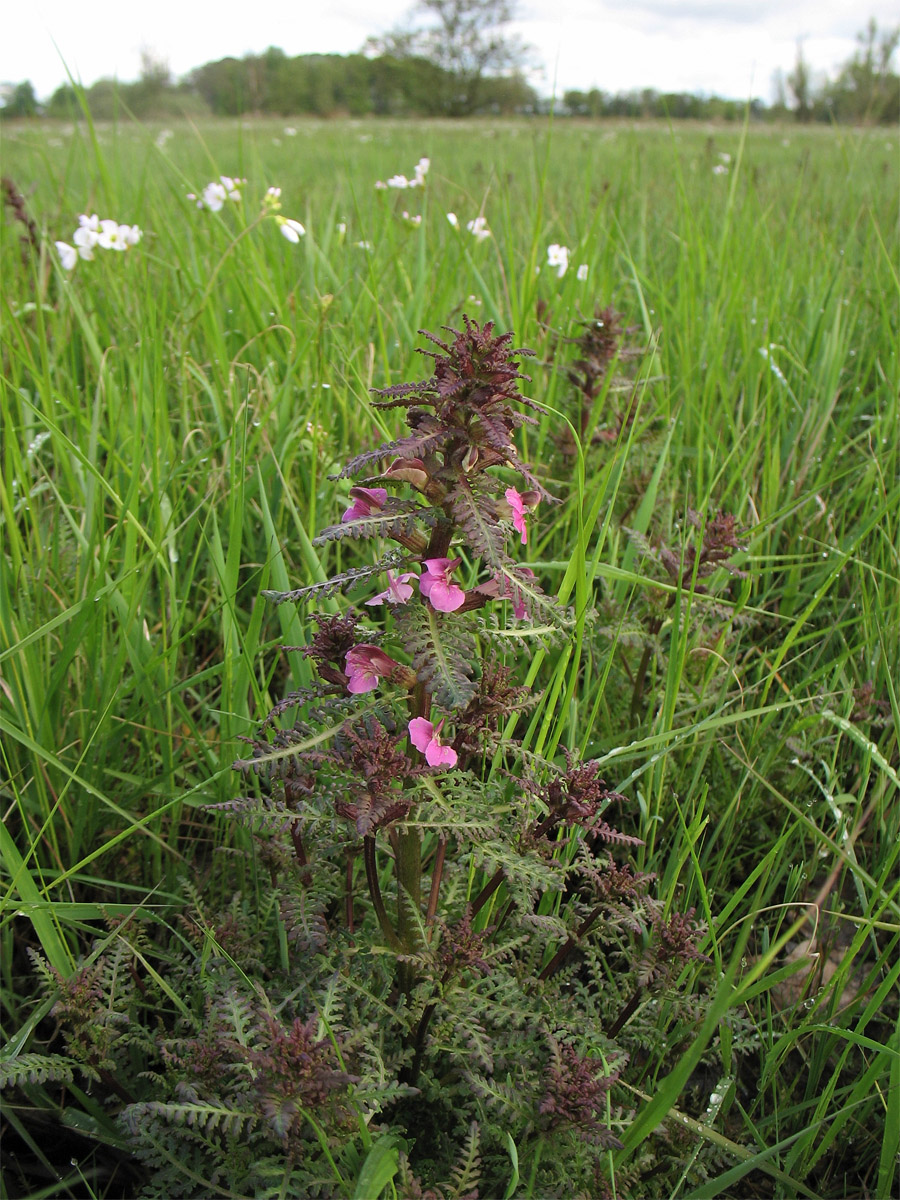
480, 860
436, 945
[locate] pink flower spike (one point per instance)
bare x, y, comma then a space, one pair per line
425, 737
365, 666
397, 591
436, 587
365, 502
517, 504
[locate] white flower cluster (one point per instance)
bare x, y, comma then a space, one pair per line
558, 258
292, 230
93, 233
216, 193
400, 181
477, 227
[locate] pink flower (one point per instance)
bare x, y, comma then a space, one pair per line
517, 503
397, 591
425, 737
365, 666
365, 502
436, 587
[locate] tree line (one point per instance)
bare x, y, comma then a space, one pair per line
409, 79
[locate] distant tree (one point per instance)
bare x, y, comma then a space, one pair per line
800, 83
467, 39
22, 102
867, 89
223, 85
64, 103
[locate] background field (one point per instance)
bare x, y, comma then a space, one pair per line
170, 418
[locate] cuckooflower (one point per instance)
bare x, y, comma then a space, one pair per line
398, 591
365, 502
398, 181
292, 230
214, 197
426, 738
558, 257
112, 236
582, 273
436, 587
365, 666
68, 255
453, 219
87, 235
478, 229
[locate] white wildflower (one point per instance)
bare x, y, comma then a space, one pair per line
414, 221
292, 230
112, 236
87, 235
558, 257
478, 229
68, 255
290, 131
582, 273
725, 158
214, 197
720, 169
397, 181
453, 219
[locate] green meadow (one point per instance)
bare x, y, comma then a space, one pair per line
172, 416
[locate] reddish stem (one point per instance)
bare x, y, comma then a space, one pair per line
436, 876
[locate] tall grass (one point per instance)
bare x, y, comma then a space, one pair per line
170, 419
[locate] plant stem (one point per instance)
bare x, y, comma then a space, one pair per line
437, 872
487, 891
565, 949
626, 1014
375, 893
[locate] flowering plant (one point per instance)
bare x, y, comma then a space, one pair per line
403, 753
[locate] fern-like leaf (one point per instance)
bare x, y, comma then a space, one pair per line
430, 436
466, 1171
397, 519
37, 1068
443, 650
486, 537
338, 583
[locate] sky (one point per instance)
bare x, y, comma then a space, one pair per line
729, 48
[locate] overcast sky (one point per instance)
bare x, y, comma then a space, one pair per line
727, 47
